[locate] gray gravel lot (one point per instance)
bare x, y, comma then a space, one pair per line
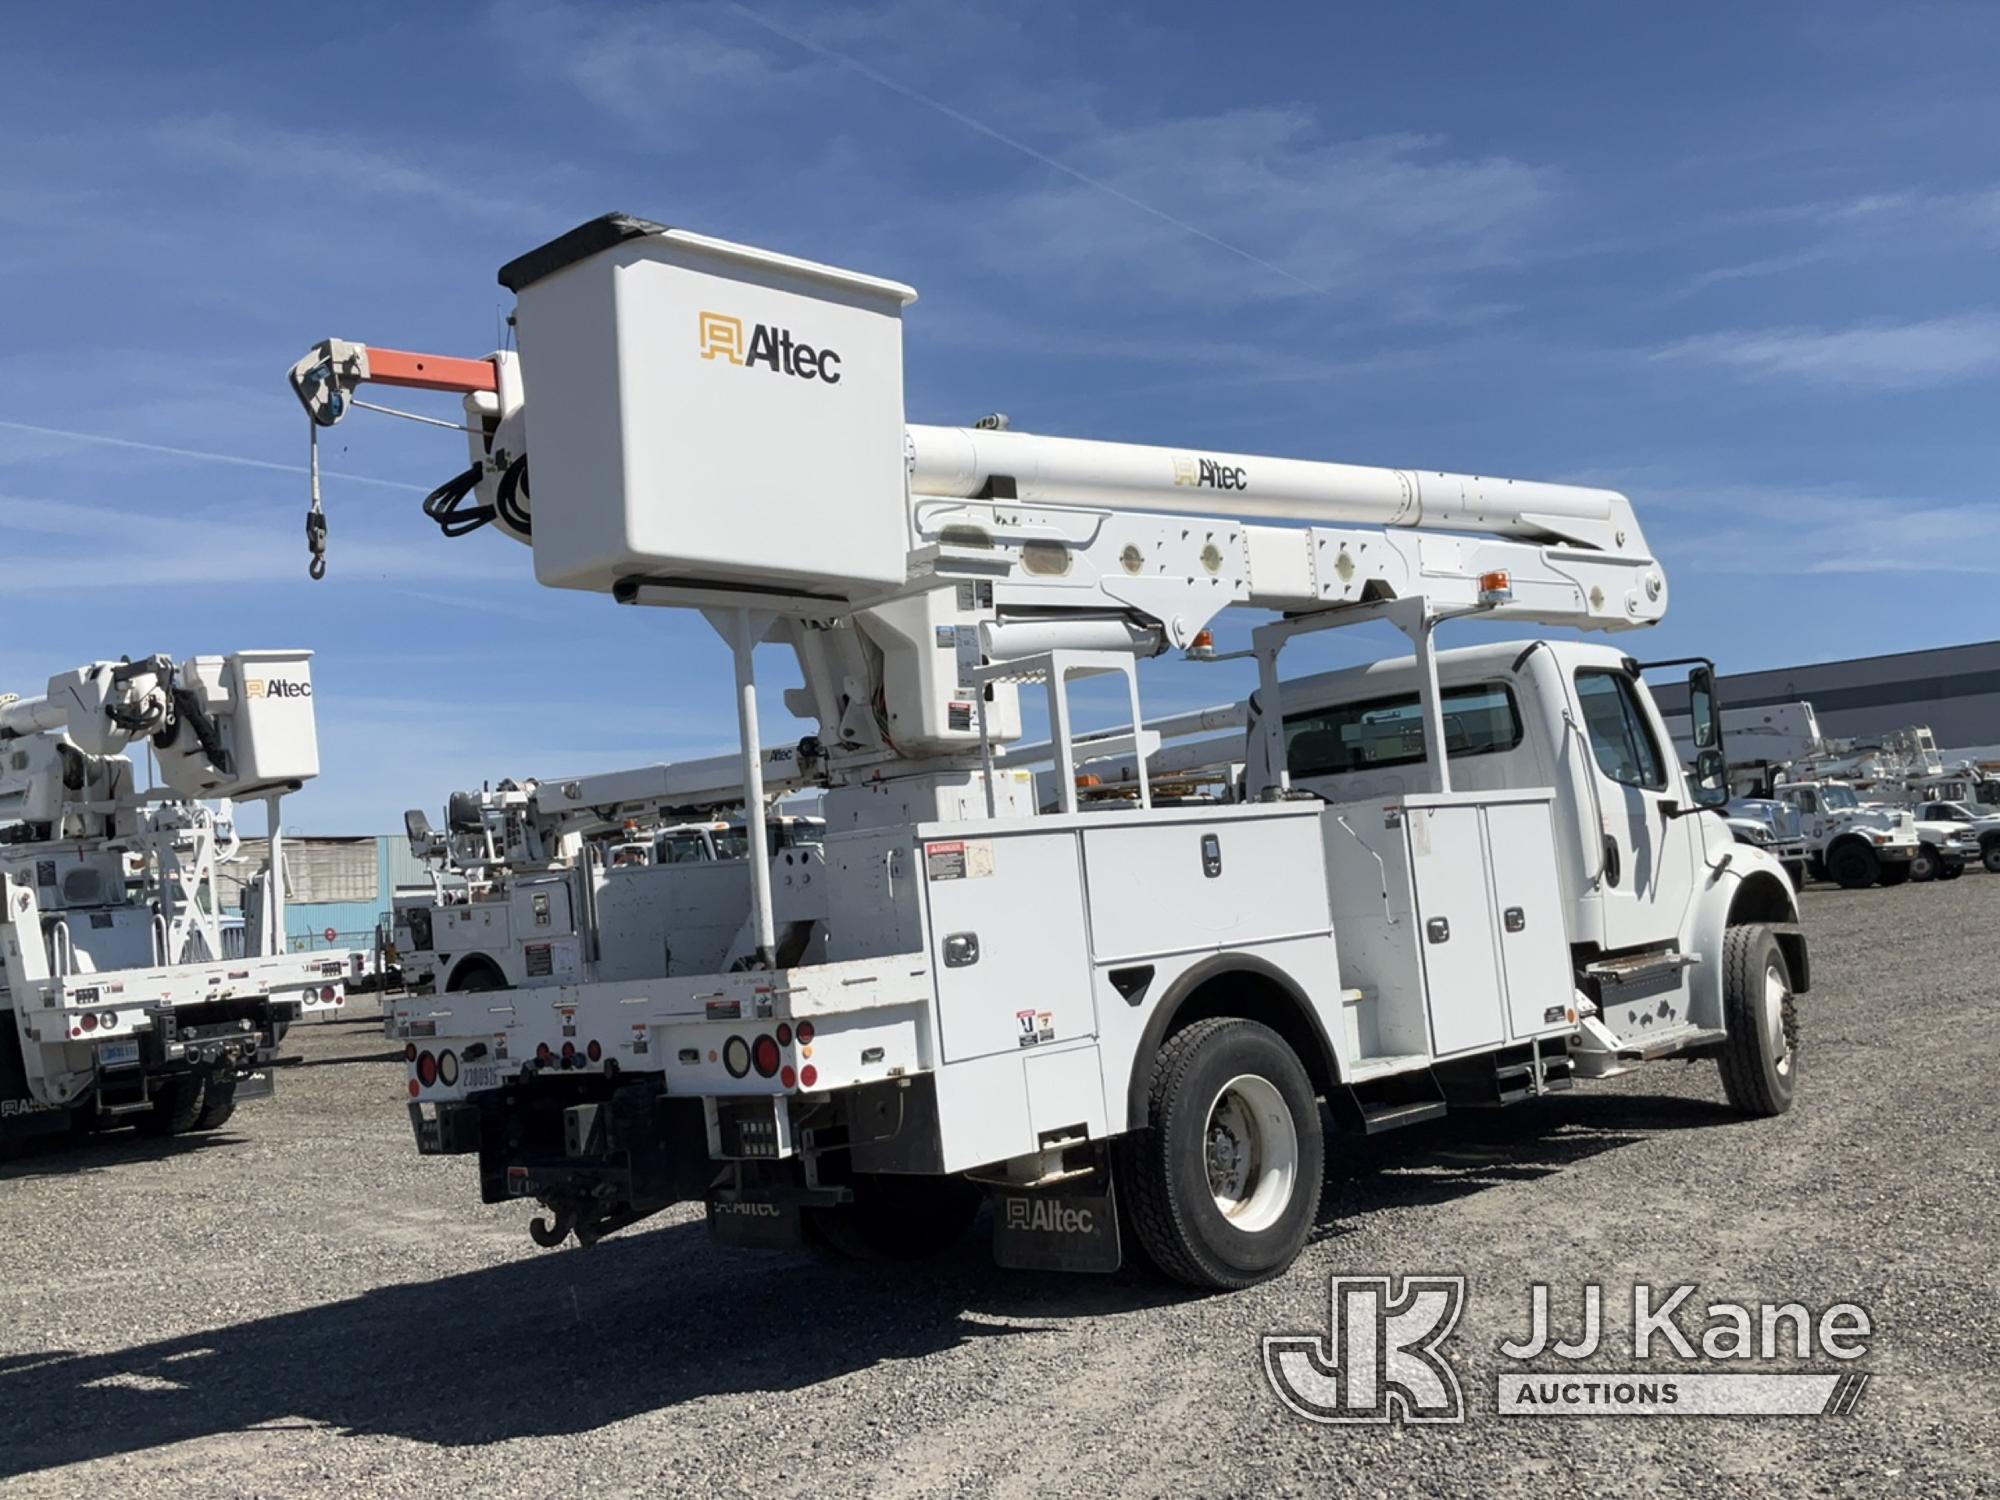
300, 1304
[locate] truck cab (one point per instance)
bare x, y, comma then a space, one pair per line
1848, 841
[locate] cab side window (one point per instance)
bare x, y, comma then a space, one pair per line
1620, 737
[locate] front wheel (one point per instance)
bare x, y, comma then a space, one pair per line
1759, 1059
1853, 866
1950, 869
1990, 856
1223, 1181
1924, 867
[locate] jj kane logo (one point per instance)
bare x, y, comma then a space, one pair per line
275, 687
773, 348
1209, 473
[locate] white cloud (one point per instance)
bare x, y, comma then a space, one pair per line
1874, 356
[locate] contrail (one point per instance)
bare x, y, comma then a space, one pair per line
843, 60
197, 453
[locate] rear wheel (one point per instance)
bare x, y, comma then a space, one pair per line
218, 1103
176, 1106
1759, 1059
1853, 866
1223, 1181
893, 1217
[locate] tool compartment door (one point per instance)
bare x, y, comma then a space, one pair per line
1534, 947
1008, 942
1455, 926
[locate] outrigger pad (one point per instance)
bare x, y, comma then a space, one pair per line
1046, 1230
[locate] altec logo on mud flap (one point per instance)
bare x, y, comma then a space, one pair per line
1047, 1216
773, 348
1209, 473
275, 687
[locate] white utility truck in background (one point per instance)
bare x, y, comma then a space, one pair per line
1779, 755
541, 883
1084, 1011
123, 1002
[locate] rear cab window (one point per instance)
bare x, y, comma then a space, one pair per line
1377, 733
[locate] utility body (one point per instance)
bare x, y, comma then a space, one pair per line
1124, 1012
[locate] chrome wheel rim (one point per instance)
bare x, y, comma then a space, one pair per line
1776, 992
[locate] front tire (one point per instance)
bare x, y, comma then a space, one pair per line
1990, 856
1921, 869
1759, 1060
1853, 866
1223, 1182
1950, 869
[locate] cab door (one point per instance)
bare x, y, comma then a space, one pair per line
1647, 862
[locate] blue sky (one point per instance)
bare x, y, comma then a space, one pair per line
1737, 261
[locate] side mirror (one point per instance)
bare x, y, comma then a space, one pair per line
1710, 782
1704, 715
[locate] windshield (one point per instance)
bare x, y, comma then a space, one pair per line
1839, 798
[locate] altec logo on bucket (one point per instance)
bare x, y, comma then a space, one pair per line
773, 348
1208, 474
275, 687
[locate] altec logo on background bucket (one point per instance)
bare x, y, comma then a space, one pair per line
774, 348
275, 687
1380, 1358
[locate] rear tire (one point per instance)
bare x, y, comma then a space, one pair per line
894, 1217
176, 1106
1223, 1182
1759, 1060
218, 1103
1853, 866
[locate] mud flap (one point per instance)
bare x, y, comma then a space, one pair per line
260, 1083
1074, 1229
746, 1219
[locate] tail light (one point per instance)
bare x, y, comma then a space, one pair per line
808, 1076
413, 1088
326, 993
543, 1055
448, 1068
569, 1054
805, 1032
109, 1018
409, 1052
595, 1051
789, 1077
784, 1034
427, 1069
89, 1022
764, 1055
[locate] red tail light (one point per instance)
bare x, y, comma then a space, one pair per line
595, 1051
89, 1021
427, 1069
543, 1055
808, 1075
409, 1052
784, 1034
413, 1088
764, 1055
789, 1078
326, 992
569, 1054
805, 1032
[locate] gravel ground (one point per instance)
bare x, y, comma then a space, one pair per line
300, 1304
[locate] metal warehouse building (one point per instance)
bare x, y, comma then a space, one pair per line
1954, 689
337, 885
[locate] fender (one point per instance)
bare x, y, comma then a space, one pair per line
1270, 996
1750, 885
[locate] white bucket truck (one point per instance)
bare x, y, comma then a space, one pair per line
1142, 1005
122, 1000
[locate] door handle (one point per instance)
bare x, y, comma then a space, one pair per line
1514, 919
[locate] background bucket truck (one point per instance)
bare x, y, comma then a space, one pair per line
1088, 1015
121, 1003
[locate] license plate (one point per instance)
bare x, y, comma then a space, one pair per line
480, 1077
118, 1054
